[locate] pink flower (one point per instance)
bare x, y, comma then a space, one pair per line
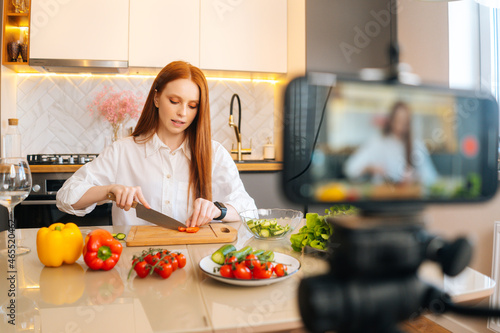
116, 107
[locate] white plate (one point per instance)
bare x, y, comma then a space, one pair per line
208, 266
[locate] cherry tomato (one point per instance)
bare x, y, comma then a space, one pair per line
192, 230
181, 229
181, 259
151, 259
242, 272
263, 271
231, 259
251, 261
173, 261
164, 269
280, 270
142, 268
227, 271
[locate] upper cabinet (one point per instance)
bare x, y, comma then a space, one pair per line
162, 31
79, 29
16, 22
244, 35
228, 35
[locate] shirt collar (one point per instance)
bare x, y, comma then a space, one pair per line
155, 144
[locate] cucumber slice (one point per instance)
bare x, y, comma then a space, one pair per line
264, 232
279, 232
266, 224
120, 236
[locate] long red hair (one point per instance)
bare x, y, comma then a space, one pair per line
198, 133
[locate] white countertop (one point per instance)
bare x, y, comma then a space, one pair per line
72, 297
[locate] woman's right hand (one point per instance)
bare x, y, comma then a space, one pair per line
126, 195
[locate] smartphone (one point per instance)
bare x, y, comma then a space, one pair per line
377, 144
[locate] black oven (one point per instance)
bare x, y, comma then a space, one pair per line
39, 208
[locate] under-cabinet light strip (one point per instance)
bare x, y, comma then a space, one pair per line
145, 77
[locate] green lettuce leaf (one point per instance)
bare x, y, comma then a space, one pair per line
317, 231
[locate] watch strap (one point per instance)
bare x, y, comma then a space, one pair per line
223, 210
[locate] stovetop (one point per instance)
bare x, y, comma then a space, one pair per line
60, 159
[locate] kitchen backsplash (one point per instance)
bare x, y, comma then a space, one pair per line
54, 118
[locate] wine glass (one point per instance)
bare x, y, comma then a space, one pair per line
15, 185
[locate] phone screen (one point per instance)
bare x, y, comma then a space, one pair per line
355, 141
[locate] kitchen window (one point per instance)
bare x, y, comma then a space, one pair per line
494, 28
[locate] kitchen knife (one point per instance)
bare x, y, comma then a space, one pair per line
152, 215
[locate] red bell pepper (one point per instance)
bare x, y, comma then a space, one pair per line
101, 250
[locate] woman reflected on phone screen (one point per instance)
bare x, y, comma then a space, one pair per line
393, 156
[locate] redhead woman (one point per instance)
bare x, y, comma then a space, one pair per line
169, 163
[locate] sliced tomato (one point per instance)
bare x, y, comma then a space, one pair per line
181, 229
192, 230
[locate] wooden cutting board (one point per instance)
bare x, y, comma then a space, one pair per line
148, 235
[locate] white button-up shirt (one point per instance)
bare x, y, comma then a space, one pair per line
389, 154
162, 174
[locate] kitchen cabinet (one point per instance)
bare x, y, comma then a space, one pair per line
79, 29
162, 31
15, 31
244, 35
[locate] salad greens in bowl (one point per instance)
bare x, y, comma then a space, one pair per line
272, 223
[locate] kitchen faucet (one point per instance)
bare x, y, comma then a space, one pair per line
237, 129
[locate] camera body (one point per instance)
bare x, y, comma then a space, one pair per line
388, 149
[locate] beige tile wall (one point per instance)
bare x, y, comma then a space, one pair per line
53, 114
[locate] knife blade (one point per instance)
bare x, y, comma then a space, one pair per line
152, 215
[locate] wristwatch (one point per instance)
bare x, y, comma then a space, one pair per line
223, 210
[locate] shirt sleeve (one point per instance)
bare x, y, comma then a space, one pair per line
227, 186
101, 171
360, 160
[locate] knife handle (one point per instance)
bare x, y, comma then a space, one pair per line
112, 197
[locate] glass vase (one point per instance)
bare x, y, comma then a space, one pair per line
117, 132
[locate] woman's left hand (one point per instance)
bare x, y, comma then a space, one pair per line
204, 212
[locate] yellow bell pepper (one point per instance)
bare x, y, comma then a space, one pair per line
59, 243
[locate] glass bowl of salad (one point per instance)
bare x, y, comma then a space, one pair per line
272, 224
